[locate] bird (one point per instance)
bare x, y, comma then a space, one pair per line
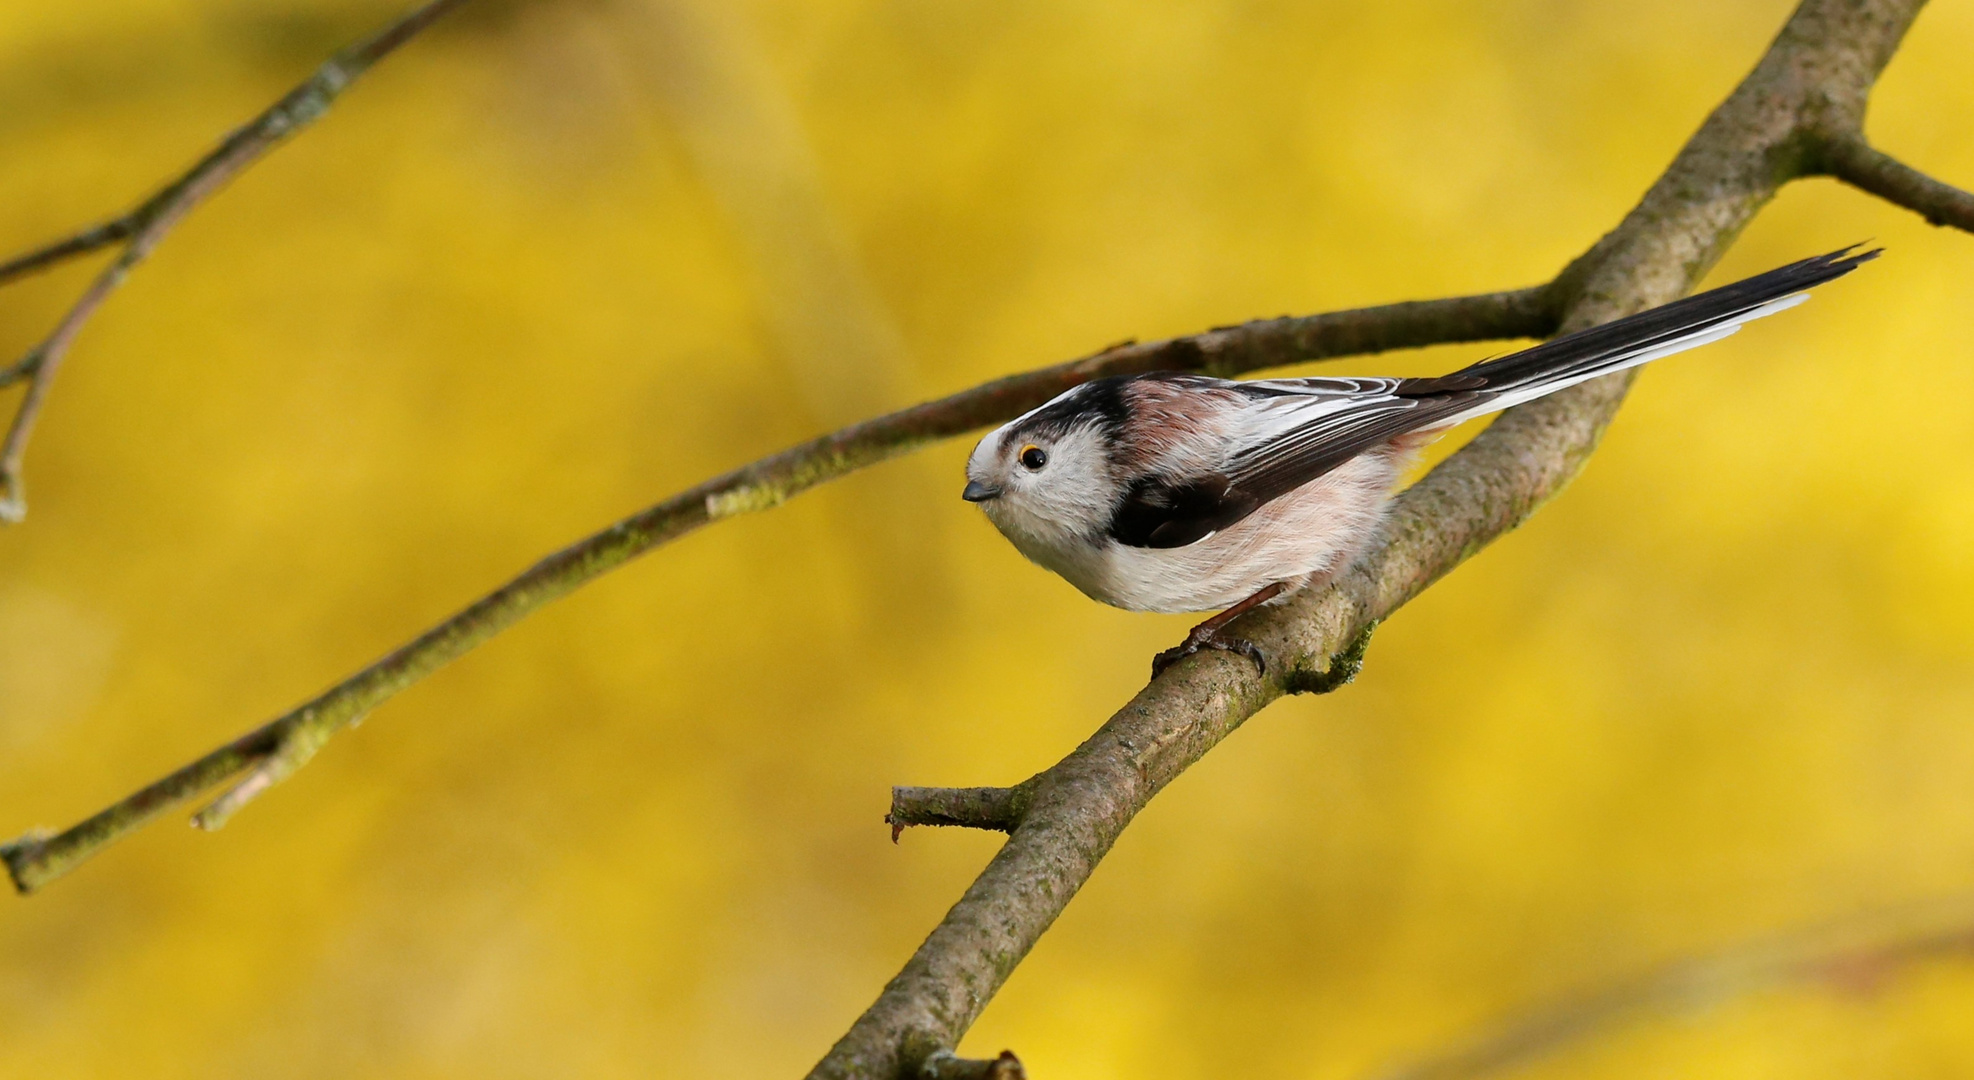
1178, 492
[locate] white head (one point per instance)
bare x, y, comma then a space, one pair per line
1047, 479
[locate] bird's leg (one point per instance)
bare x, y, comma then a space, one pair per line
1206, 635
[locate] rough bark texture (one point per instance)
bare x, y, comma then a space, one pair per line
1814, 80
996, 808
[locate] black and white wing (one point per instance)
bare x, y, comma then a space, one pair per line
1287, 432
1299, 429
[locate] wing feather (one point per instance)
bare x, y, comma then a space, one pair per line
1293, 431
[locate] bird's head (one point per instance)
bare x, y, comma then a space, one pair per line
1048, 476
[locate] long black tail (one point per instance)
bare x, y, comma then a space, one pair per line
1648, 335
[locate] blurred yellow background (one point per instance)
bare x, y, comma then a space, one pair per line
555, 261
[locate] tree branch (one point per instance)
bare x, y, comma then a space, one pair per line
997, 809
1001, 809
1814, 78
1849, 158
94, 238
142, 228
271, 750
1850, 954
1819, 69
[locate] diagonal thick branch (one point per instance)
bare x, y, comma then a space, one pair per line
1815, 78
271, 752
141, 229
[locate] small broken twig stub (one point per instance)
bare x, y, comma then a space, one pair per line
995, 808
23, 851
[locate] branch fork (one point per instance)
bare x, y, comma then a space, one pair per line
293, 747
140, 229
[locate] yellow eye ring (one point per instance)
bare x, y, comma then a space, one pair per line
1033, 457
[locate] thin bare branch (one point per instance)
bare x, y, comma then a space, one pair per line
141, 229
1821, 66
1849, 158
1847, 955
94, 238
35, 860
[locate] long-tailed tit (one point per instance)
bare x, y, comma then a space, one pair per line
1175, 492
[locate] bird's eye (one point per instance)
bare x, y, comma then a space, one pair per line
1033, 457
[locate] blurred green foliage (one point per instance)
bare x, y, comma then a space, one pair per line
558, 260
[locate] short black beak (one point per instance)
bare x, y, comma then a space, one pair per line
979, 492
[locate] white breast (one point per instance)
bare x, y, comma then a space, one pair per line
1304, 537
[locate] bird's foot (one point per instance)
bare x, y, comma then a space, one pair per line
1207, 637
